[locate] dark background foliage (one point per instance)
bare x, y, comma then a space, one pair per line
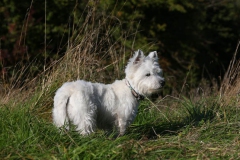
194, 38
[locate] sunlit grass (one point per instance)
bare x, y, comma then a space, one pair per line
192, 130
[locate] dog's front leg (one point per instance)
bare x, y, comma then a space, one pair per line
122, 125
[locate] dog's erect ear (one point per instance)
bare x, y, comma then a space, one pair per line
138, 56
153, 55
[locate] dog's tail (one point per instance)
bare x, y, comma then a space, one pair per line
60, 115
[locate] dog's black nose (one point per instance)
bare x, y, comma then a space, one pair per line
162, 82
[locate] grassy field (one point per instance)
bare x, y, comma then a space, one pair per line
205, 125
205, 129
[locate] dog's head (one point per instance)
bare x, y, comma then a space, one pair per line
144, 73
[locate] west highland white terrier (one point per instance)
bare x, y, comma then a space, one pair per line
89, 106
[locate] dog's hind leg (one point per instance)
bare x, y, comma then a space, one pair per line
82, 113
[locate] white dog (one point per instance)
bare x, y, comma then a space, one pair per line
94, 105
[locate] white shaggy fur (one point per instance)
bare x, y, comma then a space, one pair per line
94, 105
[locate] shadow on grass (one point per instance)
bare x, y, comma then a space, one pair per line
150, 131
192, 114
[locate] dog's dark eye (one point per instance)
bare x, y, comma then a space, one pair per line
148, 74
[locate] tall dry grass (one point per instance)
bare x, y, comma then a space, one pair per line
230, 86
93, 53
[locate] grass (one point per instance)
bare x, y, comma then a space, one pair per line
206, 126
192, 130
